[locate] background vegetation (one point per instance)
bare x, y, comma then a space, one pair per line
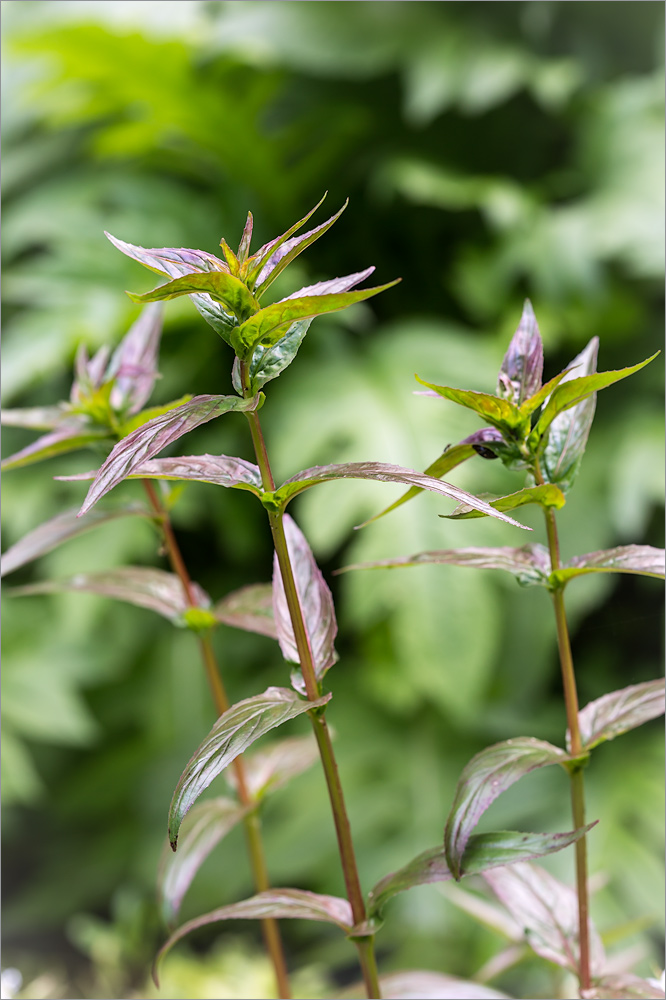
490, 151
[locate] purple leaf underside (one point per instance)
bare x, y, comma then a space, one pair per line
624, 986
134, 363
250, 609
271, 768
568, 433
522, 367
646, 560
619, 711
427, 985
70, 436
219, 470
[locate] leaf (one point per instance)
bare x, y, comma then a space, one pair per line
235, 730
530, 564
257, 261
271, 768
623, 986
501, 413
68, 437
316, 603
381, 472
574, 391
267, 363
268, 325
483, 779
220, 470
645, 560
250, 609
547, 910
149, 439
154, 589
428, 985
618, 712
332, 285
38, 418
246, 239
220, 285
569, 431
205, 826
59, 529
522, 368
141, 418
274, 903
546, 495
133, 366
483, 851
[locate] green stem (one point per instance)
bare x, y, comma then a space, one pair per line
251, 821
364, 945
576, 772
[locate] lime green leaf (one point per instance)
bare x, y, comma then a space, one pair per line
501, 413
220, 285
263, 255
546, 495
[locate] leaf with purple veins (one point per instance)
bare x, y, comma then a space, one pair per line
331, 286
246, 239
618, 712
219, 470
522, 367
644, 560
134, 363
250, 609
271, 768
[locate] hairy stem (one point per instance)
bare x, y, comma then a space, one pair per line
365, 945
251, 821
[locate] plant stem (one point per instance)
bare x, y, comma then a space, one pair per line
576, 772
364, 944
251, 821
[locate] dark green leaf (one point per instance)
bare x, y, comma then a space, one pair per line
269, 769
499, 412
645, 560
546, 495
250, 608
220, 285
267, 363
68, 437
618, 712
522, 367
568, 433
487, 775
233, 732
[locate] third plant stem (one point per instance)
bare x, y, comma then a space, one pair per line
364, 943
271, 931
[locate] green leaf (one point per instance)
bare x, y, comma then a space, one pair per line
267, 363
260, 259
221, 286
68, 437
234, 731
569, 431
483, 851
618, 712
573, 392
205, 826
483, 779
250, 609
546, 495
644, 560
500, 413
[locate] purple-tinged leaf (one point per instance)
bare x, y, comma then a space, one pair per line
250, 609
334, 285
151, 438
624, 986
88, 373
268, 325
69, 436
618, 712
574, 391
568, 433
384, 473
220, 470
255, 263
37, 418
522, 367
232, 260
547, 910
154, 589
274, 903
316, 603
270, 769
267, 363
235, 730
645, 560
427, 985
546, 495
246, 239
141, 418
483, 779
205, 826
220, 285
134, 363
501, 413
59, 529
483, 851
530, 564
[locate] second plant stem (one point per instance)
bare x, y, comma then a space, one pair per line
364, 942
251, 822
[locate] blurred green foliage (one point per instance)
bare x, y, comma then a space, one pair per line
489, 151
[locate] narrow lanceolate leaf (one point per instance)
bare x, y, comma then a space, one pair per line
619, 711
315, 599
59, 529
37, 418
426, 985
234, 731
624, 986
258, 260
645, 560
250, 609
134, 363
220, 285
381, 472
271, 768
522, 367
154, 589
276, 903
487, 775
141, 418
546, 495
547, 910
266, 363
246, 239
205, 826
268, 325
220, 470
501, 413
483, 851
530, 564
149, 439
68, 437
332, 285
571, 393
569, 431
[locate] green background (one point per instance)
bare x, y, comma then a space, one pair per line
490, 152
